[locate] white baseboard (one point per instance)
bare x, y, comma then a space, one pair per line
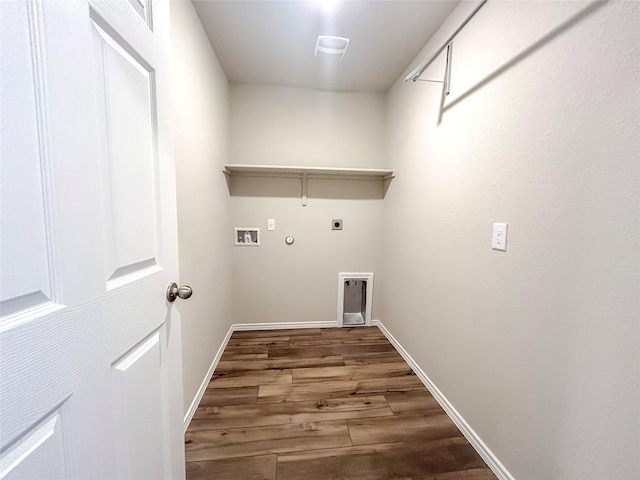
281, 325
240, 327
203, 386
487, 455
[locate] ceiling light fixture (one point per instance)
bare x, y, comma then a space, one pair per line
331, 47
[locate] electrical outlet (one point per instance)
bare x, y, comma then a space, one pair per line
499, 241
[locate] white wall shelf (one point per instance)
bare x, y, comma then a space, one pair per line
305, 173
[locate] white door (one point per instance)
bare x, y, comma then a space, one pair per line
90, 373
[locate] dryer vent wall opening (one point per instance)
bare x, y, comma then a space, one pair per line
354, 299
355, 302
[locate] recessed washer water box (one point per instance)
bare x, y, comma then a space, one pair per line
355, 293
246, 237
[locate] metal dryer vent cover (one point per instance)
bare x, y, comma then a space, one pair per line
331, 47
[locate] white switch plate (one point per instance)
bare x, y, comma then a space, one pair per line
499, 241
271, 224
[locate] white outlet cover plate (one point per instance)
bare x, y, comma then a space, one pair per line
271, 224
499, 241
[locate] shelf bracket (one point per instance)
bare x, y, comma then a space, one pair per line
304, 189
447, 72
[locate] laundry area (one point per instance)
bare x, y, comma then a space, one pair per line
473, 179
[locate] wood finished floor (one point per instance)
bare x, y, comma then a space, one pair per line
322, 404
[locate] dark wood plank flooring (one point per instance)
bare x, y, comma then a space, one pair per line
322, 404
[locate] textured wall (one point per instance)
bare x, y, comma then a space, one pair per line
293, 126
536, 347
200, 109
300, 126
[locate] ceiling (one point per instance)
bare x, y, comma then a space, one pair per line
271, 42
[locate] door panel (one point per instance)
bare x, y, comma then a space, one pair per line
138, 401
40, 455
24, 276
143, 9
125, 89
88, 242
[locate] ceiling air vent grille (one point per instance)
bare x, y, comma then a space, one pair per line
331, 47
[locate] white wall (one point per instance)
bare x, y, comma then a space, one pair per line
293, 126
300, 126
200, 109
537, 347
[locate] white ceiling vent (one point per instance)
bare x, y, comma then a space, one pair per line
331, 47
